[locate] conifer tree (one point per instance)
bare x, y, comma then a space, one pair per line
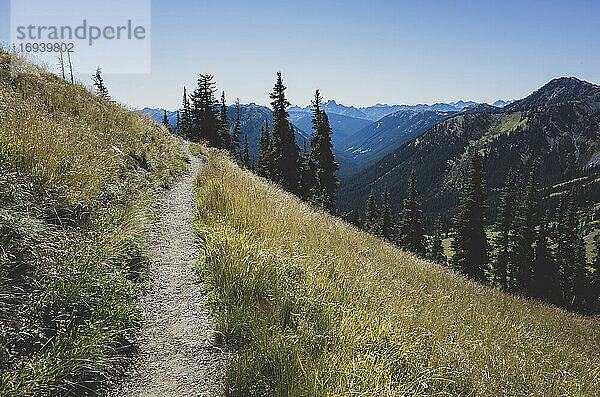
436, 252
470, 244
566, 251
285, 151
321, 154
246, 155
371, 223
204, 114
236, 134
178, 125
545, 271
355, 218
264, 163
166, 121
306, 171
101, 89
184, 127
525, 230
224, 125
595, 279
504, 228
386, 215
410, 234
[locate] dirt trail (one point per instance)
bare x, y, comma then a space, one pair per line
176, 356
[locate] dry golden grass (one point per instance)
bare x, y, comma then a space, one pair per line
78, 176
330, 310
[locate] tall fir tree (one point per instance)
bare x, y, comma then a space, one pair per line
595, 278
306, 171
204, 115
545, 270
224, 126
470, 243
264, 163
504, 228
285, 149
355, 218
321, 154
236, 134
186, 116
165, 121
525, 235
246, 153
410, 234
436, 252
178, 124
386, 216
371, 223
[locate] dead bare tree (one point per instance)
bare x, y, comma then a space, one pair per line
61, 63
70, 66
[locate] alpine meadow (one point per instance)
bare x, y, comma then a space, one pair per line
299, 199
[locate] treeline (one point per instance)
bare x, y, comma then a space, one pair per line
527, 251
308, 172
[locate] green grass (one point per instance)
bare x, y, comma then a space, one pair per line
309, 305
78, 177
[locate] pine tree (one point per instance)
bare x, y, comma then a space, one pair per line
470, 244
371, 223
567, 251
504, 228
285, 150
166, 121
525, 230
225, 137
386, 215
545, 271
306, 170
355, 218
410, 234
101, 89
264, 163
246, 155
185, 122
204, 119
436, 252
321, 154
595, 279
236, 134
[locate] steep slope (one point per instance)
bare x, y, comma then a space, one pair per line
564, 137
373, 142
78, 179
308, 305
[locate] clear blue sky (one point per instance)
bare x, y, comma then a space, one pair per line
363, 52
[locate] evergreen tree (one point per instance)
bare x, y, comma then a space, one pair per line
355, 218
264, 163
246, 156
166, 121
436, 252
224, 125
411, 236
545, 271
525, 229
285, 150
321, 154
504, 228
236, 134
306, 171
567, 250
470, 244
371, 223
595, 279
386, 216
178, 125
185, 122
204, 114
101, 89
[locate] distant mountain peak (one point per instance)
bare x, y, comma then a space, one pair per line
557, 90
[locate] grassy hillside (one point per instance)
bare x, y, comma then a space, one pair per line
78, 176
309, 305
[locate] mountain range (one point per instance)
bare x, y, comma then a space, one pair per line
557, 125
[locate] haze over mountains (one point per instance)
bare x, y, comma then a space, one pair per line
361, 136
